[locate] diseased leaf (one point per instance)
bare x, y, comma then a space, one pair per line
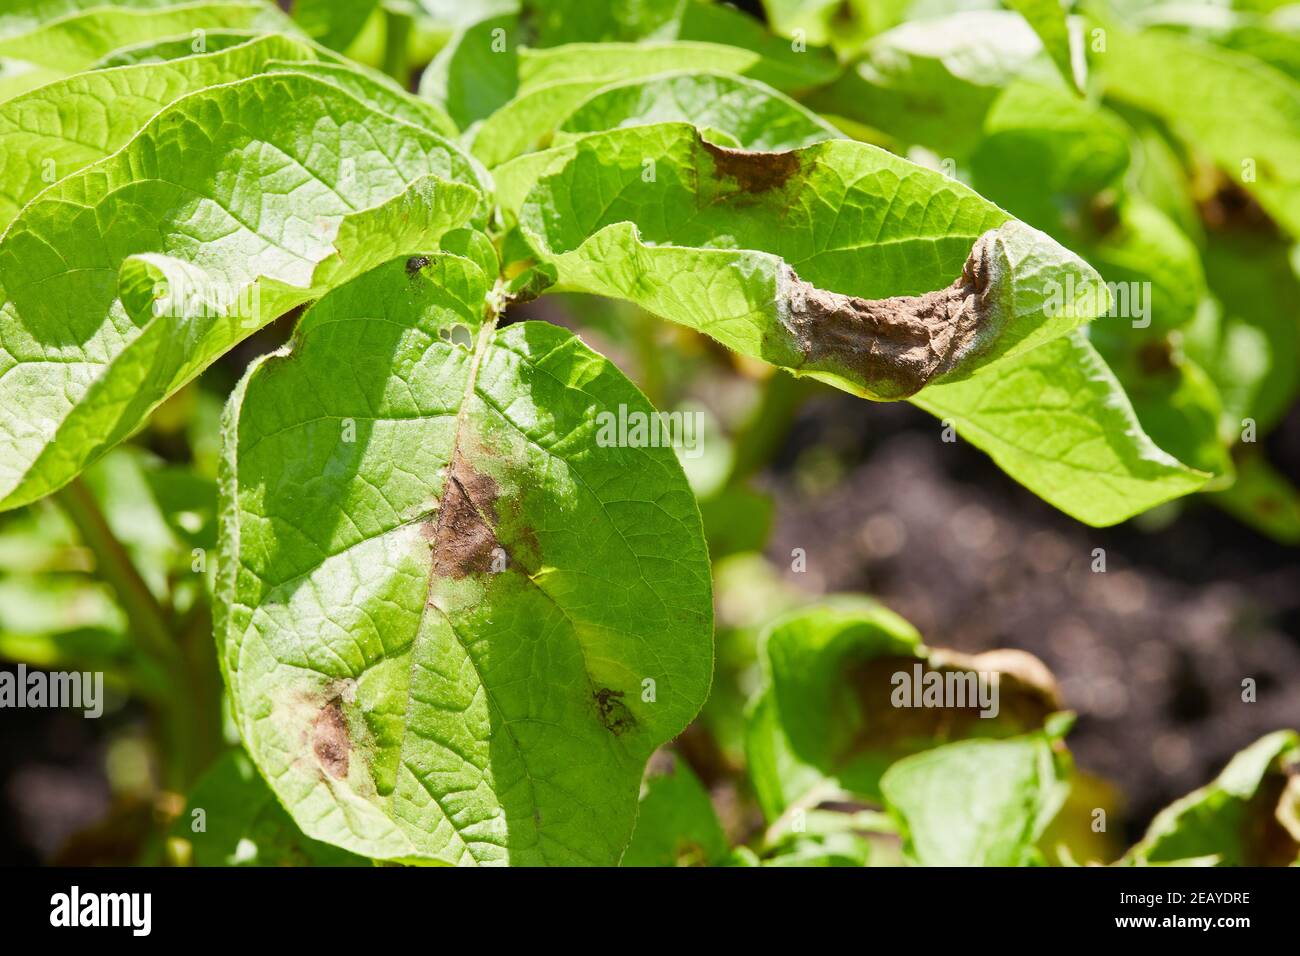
455, 621
1057, 421
977, 802
676, 824
232, 206
1236, 818
838, 261
242, 824
829, 719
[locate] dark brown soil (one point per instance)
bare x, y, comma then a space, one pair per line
1151, 654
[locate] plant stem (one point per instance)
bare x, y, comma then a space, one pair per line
148, 619
150, 625
397, 34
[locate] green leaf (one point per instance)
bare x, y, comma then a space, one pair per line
1243, 113
844, 23
55, 616
58, 621
1268, 30
1263, 498
75, 41
556, 81
17, 77
1176, 402
1057, 420
778, 255
1235, 818
1154, 268
610, 62
828, 720
830, 850
476, 73
1044, 148
1249, 339
54, 131
122, 283
783, 65
1048, 18
933, 81
335, 23
754, 116
174, 48
459, 636
676, 824
233, 819
580, 21
977, 802
497, 66
378, 91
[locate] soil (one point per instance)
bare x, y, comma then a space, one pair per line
1151, 654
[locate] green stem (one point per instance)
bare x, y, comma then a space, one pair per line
397, 35
148, 619
150, 626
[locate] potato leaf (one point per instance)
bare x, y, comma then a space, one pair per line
233, 205
827, 720
76, 40
977, 802
1239, 819
836, 260
1242, 112
233, 819
676, 824
455, 621
1057, 420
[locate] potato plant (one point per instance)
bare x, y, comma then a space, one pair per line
460, 618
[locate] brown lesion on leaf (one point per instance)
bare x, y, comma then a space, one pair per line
330, 740
1027, 694
753, 171
1226, 206
1156, 357
1266, 840
895, 346
463, 540
613, 713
